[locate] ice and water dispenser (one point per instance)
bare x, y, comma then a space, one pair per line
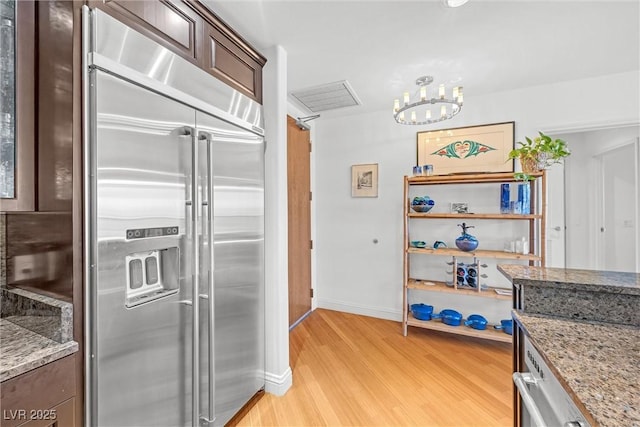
151, 274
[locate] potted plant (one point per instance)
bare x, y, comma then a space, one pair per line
538, 154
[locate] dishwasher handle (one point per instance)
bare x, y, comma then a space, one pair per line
522, 380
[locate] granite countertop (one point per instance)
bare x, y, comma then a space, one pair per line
24, 350
34, 330
598, 363
599, 281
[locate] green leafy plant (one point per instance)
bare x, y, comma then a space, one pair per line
538, 154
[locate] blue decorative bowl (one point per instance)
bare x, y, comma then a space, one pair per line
418, 244
467, 243
422, 204
422, 311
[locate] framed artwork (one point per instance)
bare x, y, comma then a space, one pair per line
364, 180
459, 207
474, 149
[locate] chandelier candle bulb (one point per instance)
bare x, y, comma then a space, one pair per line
396, 105
441, 91
406, 98
423, 93
443, 111
402, 116
413, 116
455, 91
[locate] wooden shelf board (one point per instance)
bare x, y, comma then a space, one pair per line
477, 253
442, 287
472, 216
465, 178
437, 325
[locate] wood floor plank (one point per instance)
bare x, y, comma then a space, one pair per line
351, 370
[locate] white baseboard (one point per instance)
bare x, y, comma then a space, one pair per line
278, 384
348, 307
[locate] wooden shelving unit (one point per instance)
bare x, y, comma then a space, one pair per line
537, 238
436, 286
481, 253
488, 334
472, 216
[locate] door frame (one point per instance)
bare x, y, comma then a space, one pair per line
599, 192
291, 122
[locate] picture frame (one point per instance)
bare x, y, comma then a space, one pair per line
364, 180
466, 150
460, 207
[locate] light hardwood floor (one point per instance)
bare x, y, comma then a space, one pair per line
351, 370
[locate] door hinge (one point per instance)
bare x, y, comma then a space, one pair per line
311, 292
310, 195
310, 147
311, 244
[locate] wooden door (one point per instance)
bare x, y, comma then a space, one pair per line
299, 191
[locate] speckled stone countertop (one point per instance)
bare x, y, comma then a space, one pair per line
41, 314
594, 280
23, 350
603, 296
34, 330
599, 364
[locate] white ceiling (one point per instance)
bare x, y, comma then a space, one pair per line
381, 47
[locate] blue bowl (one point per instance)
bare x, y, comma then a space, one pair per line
422, 204
476, 321
418, 244
506, 326
422, 311
467, 245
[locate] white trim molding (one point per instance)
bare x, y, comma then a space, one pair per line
348, 307
278, 384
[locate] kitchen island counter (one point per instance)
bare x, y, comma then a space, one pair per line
600, 281
598, 364
23, 350
603, 296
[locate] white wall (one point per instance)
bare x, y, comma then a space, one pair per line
354, 274
581, 190
277, 371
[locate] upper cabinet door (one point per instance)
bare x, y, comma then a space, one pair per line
228, 62
171, 23
17, 143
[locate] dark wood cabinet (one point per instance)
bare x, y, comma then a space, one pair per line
42, 397
24, 135
54, 139
44, 107
189, 29
223, 59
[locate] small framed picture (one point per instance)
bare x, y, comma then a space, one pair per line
364, 180
460, 207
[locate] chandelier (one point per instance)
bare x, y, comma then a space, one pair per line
420, 110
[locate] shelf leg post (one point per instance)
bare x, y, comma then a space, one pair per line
455, 272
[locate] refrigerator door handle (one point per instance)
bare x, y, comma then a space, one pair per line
195, 327
207, 204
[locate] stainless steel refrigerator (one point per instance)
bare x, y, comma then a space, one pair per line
174, 226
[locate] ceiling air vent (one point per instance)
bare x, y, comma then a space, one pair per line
327, 97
